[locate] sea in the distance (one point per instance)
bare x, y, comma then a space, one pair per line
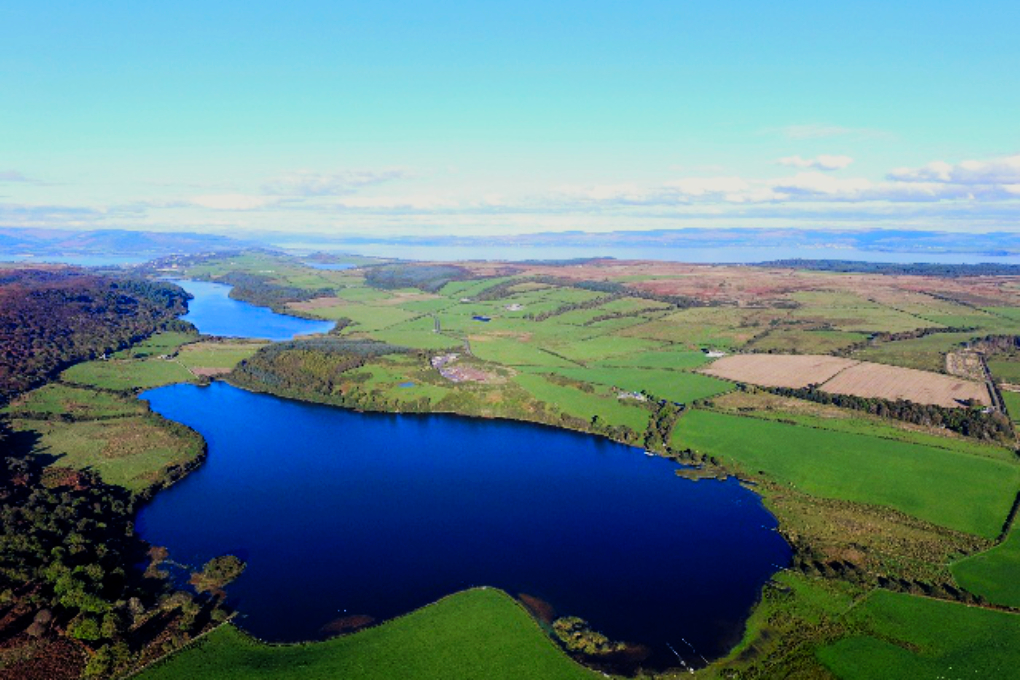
694, 255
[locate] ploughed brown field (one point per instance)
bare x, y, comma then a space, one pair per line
779, 370
845, 376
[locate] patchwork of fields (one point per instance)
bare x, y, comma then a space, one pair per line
871, 504
588, 342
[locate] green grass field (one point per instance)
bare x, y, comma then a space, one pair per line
1012, 400
994, 574
927, 353
853, 422
127, 375
679, 359
131, 452
217, 354
863, 319
1007, 370
704, 327
478, 634
368, 317
603, 347
160, 343
56, 399
1011, 313
512, 352
912, 637
584, 405
797, 341
675, 386
951, 489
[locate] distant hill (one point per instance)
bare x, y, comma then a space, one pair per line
40, 242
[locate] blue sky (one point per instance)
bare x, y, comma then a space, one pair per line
442, 117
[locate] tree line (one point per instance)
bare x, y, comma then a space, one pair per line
966, 420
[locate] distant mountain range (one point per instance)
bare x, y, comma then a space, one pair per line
16, 243
43, 242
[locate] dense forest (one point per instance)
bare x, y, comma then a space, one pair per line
426, 277
71, 601
50, 318
263, 291
316, 365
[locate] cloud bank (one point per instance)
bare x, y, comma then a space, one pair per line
308, 183
806, 191
823, 162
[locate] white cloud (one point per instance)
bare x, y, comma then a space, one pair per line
1004, 170
308, 183
968, 182
817, 184
21, 215
231, 201
13, 176
822, 162
707, 186
423, 202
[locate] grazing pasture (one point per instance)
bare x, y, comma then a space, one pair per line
127, 375
1012, 400
56, 400
952, 489
677, 386
812, 414
213, 358
905, 636
584, 405
673, 359
994, 574
805, 341
479, 634
156, 344
1006, 370
130, 451
926, 353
